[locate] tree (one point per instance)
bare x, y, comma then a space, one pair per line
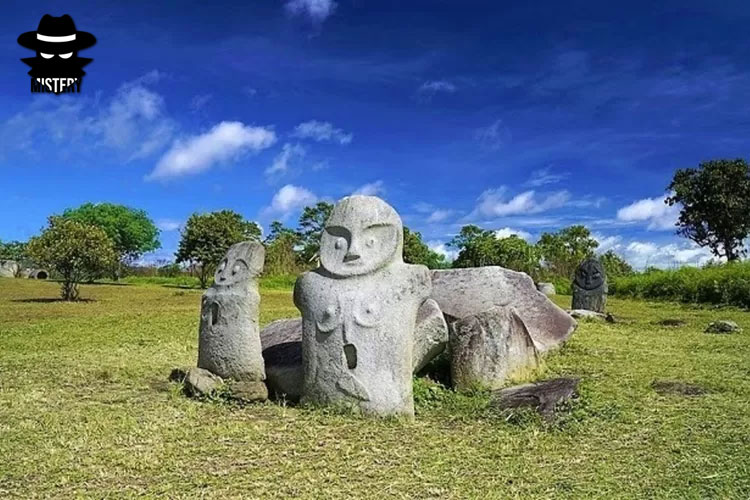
207, 237
715, 199
614, 265
13, 250
311, 224
74, 250
417, 252
480, 247
564, 250
132, 232
281, 255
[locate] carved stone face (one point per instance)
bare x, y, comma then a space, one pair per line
590, 275
243, 261
362, 235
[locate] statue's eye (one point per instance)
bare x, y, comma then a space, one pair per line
223, 266
46, 56
235, 269
340, 243
66, 56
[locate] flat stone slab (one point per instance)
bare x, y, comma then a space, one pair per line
542, 396
723, 326
677, 387
469, 291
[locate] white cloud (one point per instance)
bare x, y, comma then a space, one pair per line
371, 189
288, 153
507, 232
449, 253
321, 131
133, 122
199, 102
659, 215
607, 242
288, 199
545, 176
224, 142
439, 215
642, 254
493, 203
494, 136
434, 86
317, 10
168, 224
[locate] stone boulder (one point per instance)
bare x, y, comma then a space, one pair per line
430, 334
489, 348
8, 268
39, 274
723, 326
469, 291
542, 396
247, 391
547, 289
585, 314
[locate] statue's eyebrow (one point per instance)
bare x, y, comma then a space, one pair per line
378, 224
338, 231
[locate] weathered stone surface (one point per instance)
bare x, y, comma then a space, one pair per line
677, 387
587, 315
282, 353
229, 340
25, 273
39, 274
199, 383
590, 286
723, 326
430, 334
359, 309
282, 349
464, 292
542, 396
247, 391
547, 289
8, 268
489, 348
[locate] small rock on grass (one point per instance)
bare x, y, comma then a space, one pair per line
587, 315
199, 383
542, 396
723, 326
248, 392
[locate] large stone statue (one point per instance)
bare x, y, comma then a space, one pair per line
358, 310
229, 343
590, 286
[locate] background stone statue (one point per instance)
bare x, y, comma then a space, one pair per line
229, 344
590, 286
359, 309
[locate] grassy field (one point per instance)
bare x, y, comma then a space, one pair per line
86, 410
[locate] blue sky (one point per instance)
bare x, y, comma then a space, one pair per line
521, 117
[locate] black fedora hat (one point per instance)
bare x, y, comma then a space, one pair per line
56, 35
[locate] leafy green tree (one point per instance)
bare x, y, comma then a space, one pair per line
564, 250
715, 199
13, 250
479, 247
207, 237
517, 254
311, 224
74, 250
614, 265
417, 252
281, 251
132, 232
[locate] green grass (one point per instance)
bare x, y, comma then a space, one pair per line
727, 284
85, 410
282, 282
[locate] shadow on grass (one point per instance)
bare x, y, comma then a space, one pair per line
50, 301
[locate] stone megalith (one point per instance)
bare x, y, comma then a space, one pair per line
8, 268
282, 348
468, 291
358, 310
489, 348
590, 286
229, 342
547, 289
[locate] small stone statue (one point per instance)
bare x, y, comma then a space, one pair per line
229, 343
590, 286
359, 310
